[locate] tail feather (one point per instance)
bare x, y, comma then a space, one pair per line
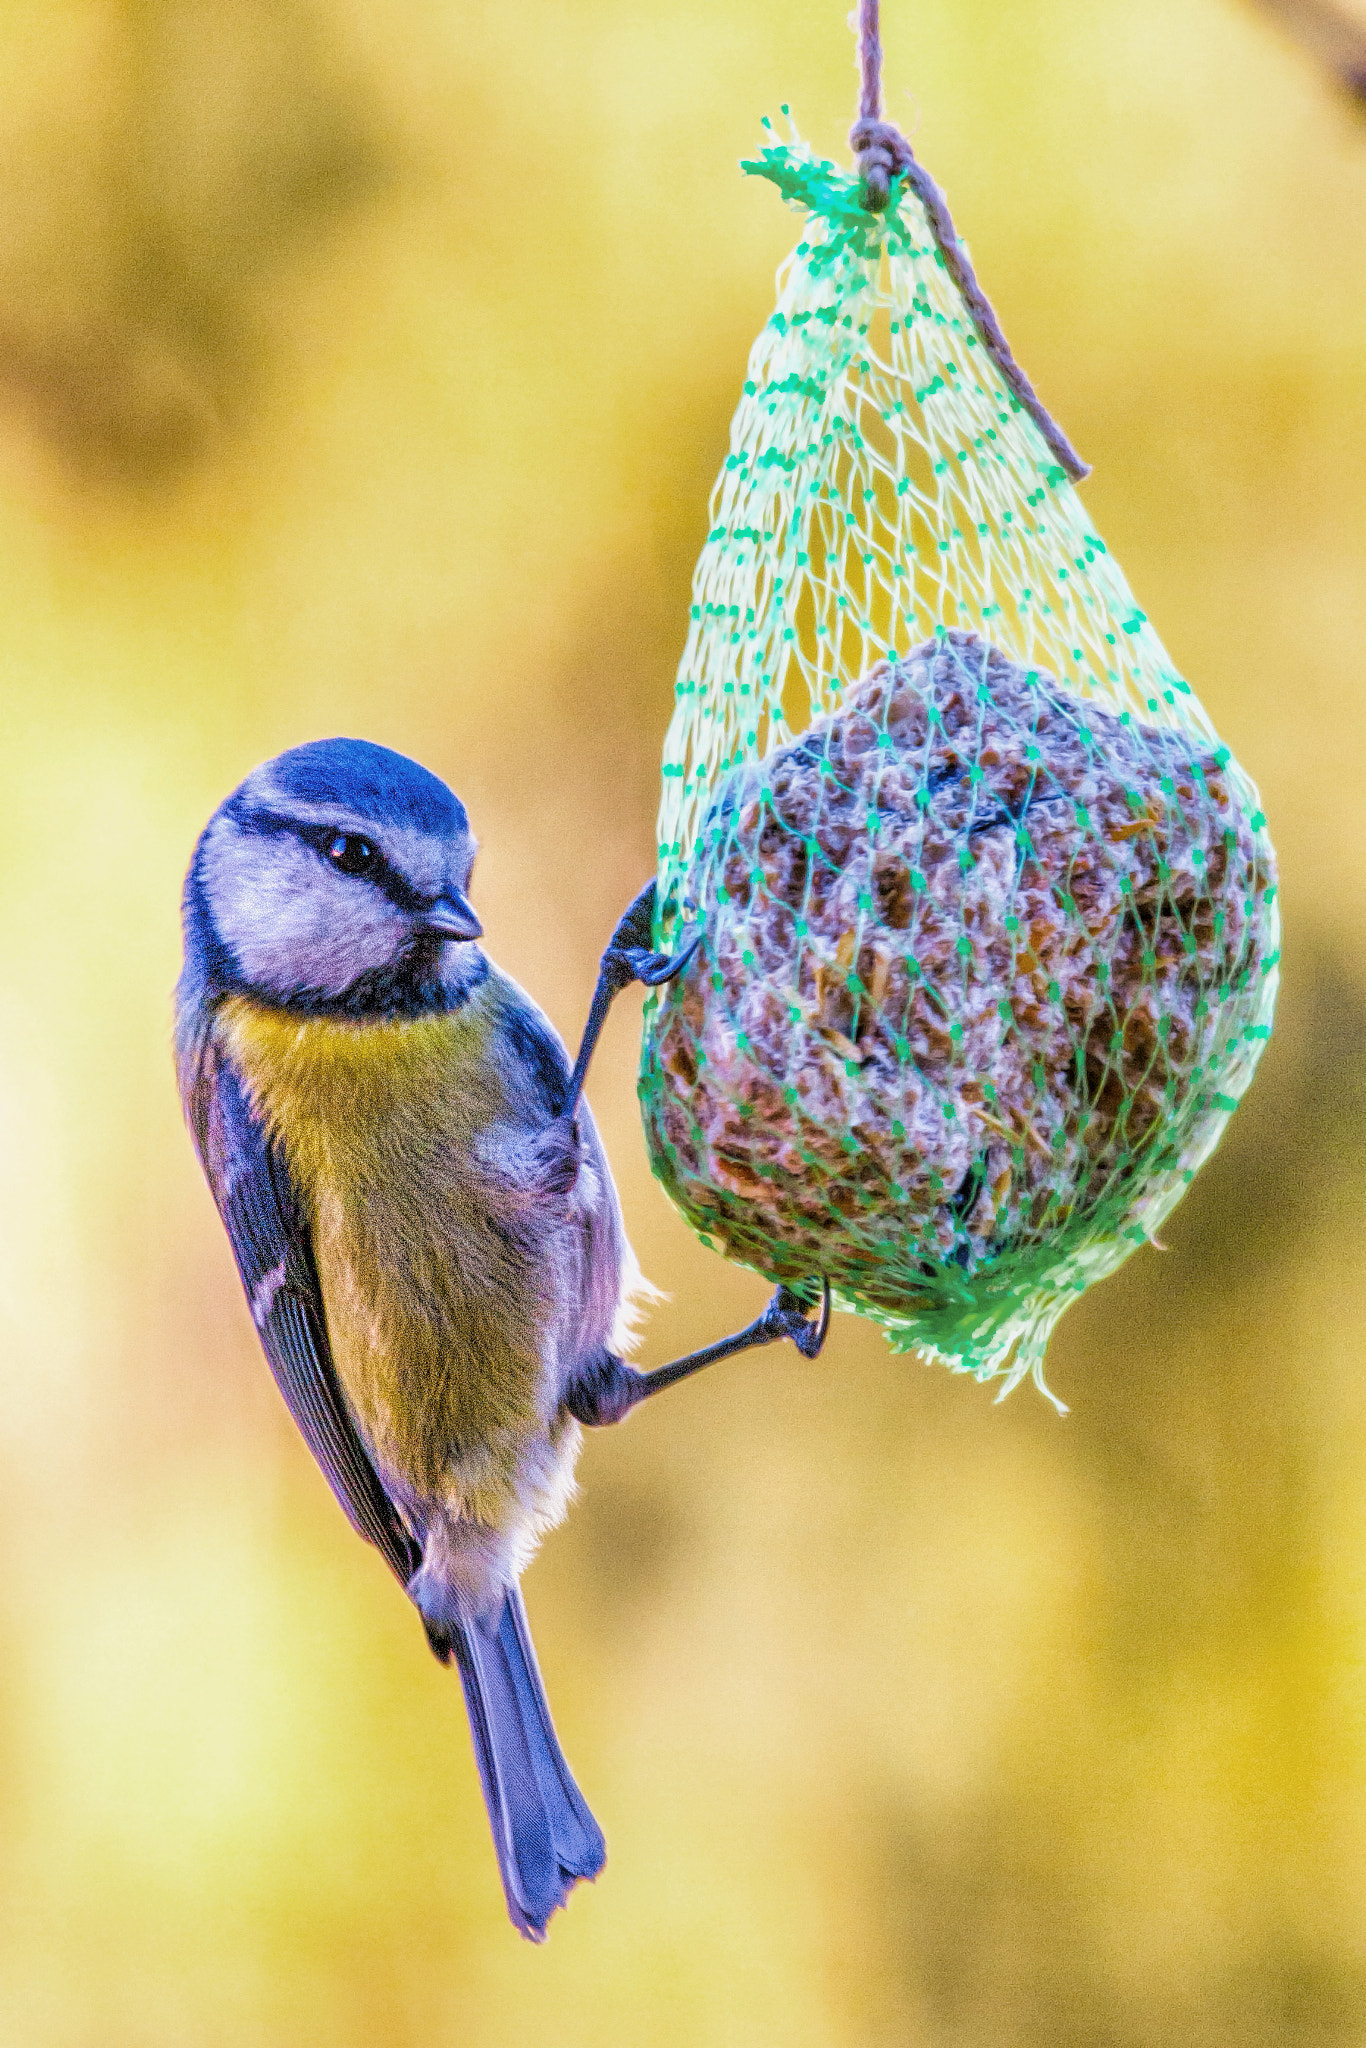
544, 1834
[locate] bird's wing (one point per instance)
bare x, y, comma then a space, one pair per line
270, 1239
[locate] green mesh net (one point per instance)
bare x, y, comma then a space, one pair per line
990, 925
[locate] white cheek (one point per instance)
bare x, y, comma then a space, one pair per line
292, 923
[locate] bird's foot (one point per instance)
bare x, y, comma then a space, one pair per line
787, 1315
630, 954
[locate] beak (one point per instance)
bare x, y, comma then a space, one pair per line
451, 917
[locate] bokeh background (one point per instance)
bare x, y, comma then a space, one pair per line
364, 368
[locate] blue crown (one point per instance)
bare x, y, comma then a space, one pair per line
374, 781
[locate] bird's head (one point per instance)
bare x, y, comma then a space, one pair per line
334, 880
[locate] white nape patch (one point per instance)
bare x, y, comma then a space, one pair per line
264, 1292
293, 921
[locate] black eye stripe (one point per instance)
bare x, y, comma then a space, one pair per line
376, 869
378, 872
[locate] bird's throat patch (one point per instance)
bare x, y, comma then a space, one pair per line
329, 1090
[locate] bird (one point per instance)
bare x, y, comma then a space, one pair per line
424, 1221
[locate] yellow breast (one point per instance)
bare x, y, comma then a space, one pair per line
430, 1281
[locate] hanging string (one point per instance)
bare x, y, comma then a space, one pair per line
882, 154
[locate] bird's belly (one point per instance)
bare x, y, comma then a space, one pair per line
433, 1334
428, 1263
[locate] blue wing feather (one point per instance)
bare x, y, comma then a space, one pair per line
271, 1244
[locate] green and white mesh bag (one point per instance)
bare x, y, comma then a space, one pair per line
989, 911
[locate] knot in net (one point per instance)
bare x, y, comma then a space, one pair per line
989, 911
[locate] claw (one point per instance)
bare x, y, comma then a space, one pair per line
631, 954
786, 1316
656, 968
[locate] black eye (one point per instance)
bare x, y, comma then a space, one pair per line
352, 854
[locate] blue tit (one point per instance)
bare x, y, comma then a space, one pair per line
424, 1221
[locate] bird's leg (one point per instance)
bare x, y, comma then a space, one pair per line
555, 1164
628, 958
609, 1388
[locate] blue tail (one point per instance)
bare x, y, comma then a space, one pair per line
545, 1836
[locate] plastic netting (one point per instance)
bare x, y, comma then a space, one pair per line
990, 924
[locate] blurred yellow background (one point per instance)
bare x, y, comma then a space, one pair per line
364, 368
